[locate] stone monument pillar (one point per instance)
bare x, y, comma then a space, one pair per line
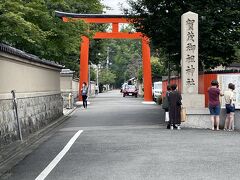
189, 61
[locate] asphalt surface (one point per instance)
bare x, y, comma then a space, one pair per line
123, 139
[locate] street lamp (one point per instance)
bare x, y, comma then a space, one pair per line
169, 70
108, 49
89, 77
98, 68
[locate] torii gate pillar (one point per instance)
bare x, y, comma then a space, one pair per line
84, 55
147, 72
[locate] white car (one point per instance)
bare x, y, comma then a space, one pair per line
157, 89
123, 87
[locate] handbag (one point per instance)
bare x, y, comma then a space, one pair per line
179, 102
183, 114
166, 116
165, 104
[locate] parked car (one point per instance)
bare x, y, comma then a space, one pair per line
157, 90
130, 90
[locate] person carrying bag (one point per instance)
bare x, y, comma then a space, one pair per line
165, 105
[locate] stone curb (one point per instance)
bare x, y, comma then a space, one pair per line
11, 155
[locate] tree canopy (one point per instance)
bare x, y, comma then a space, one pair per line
106, 77
125, 58
32, 27
219, 24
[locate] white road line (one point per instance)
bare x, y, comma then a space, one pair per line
56, 160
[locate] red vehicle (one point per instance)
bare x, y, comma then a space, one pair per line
130, 90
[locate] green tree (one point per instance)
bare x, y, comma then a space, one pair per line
219, 22
92, 74
125, 56
158, 70
32, 27
76, 6
106, 77
97, 51
16, 28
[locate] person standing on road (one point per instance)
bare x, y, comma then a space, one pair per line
175, 102
230, 107
165, 105
214, 103
84, 92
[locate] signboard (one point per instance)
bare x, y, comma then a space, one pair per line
224, 80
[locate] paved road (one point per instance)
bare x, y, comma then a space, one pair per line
123, 139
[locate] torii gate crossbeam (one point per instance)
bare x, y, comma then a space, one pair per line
115, 34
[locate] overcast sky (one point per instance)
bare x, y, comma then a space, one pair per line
115, 5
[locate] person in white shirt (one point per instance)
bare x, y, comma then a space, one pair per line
230, 107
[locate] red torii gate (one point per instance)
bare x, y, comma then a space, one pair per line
115, 34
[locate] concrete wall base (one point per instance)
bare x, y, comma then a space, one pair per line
200, 118
197, 118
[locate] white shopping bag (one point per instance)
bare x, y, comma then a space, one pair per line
166, 116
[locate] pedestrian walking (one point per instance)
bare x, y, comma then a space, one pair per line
230, 107
84, 92
165, 105
175, 102
214, 103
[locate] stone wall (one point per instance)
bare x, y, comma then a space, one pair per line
92, 89
69, 88
34, 113
36, 83
65, 96
75, 89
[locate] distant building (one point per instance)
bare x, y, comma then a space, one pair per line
233, 66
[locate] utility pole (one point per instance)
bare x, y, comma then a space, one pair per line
89, 80
169, 72
107, 64
108, 49
169, 68
98, 67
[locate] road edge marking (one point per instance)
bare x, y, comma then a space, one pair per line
58, 158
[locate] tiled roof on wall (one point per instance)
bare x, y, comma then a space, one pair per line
11, 50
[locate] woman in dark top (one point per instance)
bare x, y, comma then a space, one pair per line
175, 103
167, 109
84, 92
214, 103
